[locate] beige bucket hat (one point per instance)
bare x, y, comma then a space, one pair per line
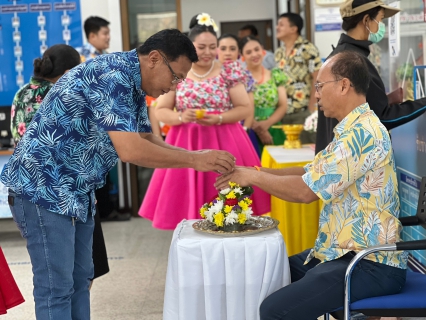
347, 9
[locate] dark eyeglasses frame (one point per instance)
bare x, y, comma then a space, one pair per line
176, 78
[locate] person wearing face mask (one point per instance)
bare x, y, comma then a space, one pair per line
362, 21
209, 106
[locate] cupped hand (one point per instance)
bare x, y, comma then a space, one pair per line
188, 115
240, 175
260, 126
214, 160
265, 137
209, 120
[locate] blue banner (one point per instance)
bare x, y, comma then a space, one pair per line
27, 29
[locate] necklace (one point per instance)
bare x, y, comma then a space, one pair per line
201, 76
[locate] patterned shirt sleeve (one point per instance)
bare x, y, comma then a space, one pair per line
233, 74
342, 163
312, 57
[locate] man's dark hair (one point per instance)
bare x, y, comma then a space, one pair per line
350, 23
196, 29
172, 43
245, 40
351, 65
55, 61
252, 28
94, 24
294, 19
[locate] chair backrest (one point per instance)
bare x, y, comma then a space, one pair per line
421, 207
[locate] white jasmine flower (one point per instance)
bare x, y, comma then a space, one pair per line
231, 218
225, 191
248, 213
238, 190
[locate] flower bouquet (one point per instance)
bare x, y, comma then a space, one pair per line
231, 209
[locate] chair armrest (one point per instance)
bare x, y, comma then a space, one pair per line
410, 221
411, 245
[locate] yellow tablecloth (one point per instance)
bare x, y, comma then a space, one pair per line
298, 222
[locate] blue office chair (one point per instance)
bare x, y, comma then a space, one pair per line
411, 301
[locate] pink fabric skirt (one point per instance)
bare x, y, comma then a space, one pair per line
176, 194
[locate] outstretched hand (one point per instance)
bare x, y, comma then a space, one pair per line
214, 160
241, 176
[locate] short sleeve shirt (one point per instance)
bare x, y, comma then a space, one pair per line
25, 105
66, 152
303, 60
355, 177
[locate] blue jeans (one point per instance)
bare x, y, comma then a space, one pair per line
319, 288
60, 250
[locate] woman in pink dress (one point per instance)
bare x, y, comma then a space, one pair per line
217, 89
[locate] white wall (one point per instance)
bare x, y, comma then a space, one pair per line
224, 11
109, 10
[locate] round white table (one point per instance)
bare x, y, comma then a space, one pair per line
222, 278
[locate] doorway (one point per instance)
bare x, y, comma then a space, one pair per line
264, 28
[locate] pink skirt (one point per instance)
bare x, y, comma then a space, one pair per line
176, 194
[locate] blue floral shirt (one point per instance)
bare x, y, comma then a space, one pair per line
355, 177
66, 151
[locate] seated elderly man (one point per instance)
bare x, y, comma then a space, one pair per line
356, 180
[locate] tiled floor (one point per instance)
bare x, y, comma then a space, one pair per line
134, 287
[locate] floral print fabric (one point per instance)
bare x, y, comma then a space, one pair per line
211, 94
25, 104
303, 60
266, 95
355, 177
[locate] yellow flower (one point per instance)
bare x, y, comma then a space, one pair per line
248, 201
232, 184
202, 210
242, 218
218, 219
211, 203
231, 195
228, 209
244, 205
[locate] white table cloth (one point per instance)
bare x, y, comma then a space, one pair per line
222, 278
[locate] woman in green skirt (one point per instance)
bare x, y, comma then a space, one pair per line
270, 97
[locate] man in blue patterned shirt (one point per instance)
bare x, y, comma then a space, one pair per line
92, 116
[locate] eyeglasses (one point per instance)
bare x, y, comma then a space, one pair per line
319, 85
176, 78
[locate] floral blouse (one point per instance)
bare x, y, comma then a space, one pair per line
25, 104
266, 95
211, 94
355, 177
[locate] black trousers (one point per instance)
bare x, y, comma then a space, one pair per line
99, 254
319, 288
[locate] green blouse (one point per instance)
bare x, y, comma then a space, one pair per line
25, 104
266, 95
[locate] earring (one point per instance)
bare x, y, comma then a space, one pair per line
264, 52
242, 59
